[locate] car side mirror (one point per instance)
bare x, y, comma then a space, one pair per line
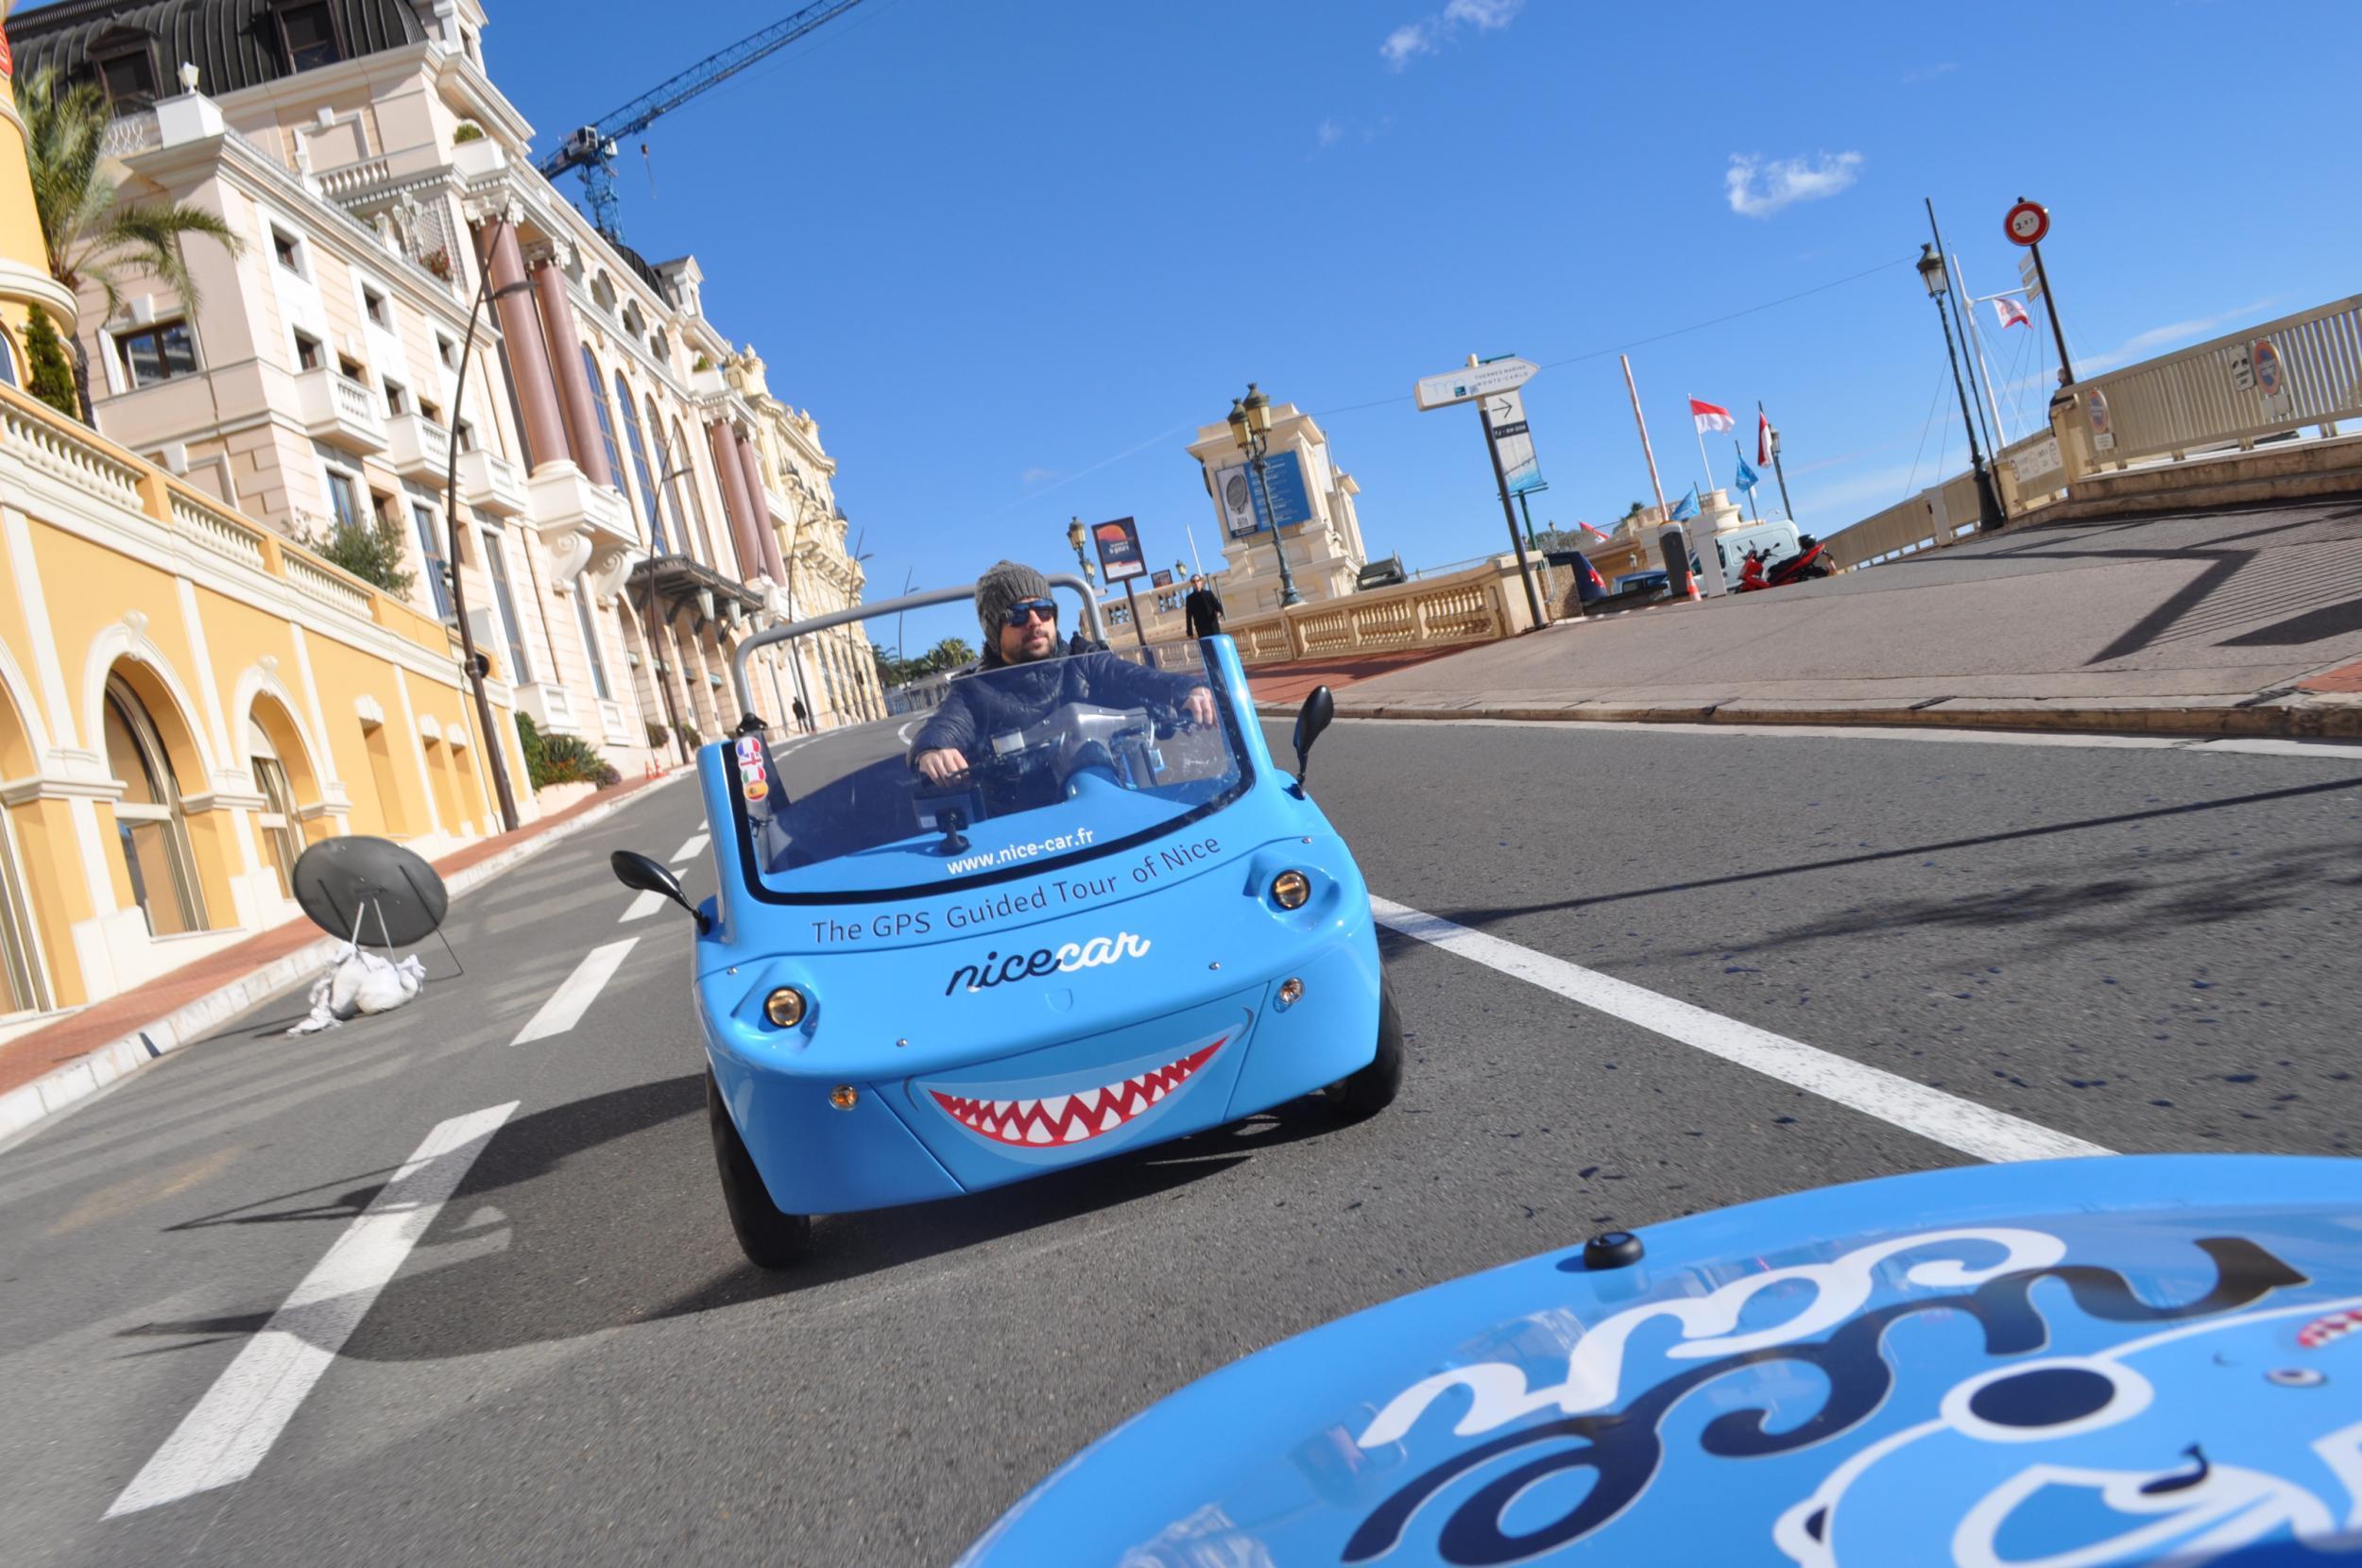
1314, 716
644, 874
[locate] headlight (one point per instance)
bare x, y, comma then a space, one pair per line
1291, 889
784, 1007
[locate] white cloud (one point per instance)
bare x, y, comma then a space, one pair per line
1928, 73
1429, 33
1032, 477
1485, 14
1329, 133
1405, 42
2139, 344
1758, 189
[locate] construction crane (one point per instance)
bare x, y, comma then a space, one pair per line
591, 149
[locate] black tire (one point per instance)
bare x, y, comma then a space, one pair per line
770, 1239
1365, 1093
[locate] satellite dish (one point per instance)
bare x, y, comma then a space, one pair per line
349, 884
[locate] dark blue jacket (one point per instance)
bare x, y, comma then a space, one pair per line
998, 698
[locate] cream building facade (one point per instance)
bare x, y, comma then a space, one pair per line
632, 490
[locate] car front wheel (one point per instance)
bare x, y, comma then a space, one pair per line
770, 1239
1373, 1088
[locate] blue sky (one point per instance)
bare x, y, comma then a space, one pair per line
1009, 253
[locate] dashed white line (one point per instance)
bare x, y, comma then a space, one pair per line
572, 998
221, 1441
690, 850
1947, 1119
2319, 751
645, 906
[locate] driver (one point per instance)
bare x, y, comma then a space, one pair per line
1021, 625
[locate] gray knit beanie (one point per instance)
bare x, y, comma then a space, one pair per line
1006, 583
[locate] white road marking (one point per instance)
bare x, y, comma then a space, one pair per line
645, 906
2326, 751
572, 998
690, 850
1947, 1119
221, 1441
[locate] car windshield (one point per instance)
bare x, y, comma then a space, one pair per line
1051, 764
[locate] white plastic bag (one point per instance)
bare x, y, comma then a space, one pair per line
357, 983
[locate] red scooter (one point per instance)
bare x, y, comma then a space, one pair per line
1811, 560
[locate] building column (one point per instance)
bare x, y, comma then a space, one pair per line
581, 414
520, 336
735, 500
766, 537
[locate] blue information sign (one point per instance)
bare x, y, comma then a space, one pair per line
1282, 491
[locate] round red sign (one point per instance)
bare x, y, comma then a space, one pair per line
2027, 223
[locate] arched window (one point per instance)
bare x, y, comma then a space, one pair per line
7, 359
277, 819
607, 419
150, 830
639, 464
685, 484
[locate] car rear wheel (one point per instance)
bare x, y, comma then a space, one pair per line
1373, 1088
770, 1239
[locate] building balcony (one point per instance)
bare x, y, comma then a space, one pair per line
582, 524
340, 411
491, 483
417, 447
549, 707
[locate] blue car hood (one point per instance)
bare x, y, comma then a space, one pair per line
2120, 1360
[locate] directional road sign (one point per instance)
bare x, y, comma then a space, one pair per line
1472, 382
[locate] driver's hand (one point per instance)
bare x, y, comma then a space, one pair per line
940, 766
1202, 706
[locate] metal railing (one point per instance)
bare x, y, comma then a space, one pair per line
2231, 389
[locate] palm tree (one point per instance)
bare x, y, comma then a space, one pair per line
92, 240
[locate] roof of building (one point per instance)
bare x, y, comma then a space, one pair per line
234, 43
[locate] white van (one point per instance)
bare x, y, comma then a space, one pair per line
1777, 540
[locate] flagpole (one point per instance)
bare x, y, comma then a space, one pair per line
1740, 453
1704, 468
1977, 345
1646, 450
1786, 505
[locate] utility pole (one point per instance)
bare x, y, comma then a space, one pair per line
1960, 306
475, 663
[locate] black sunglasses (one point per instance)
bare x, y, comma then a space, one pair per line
1029, 609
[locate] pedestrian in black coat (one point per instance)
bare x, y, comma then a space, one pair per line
1203, 608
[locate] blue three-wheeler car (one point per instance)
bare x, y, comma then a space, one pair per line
1118, 924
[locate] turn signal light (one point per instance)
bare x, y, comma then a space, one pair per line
1290, 890
843, 1097
1291, 992
784, 1007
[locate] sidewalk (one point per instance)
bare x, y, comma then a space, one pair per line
42, 1072
2230, 622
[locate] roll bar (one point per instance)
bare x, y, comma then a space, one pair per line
750, 722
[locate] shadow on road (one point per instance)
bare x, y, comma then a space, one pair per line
1483, 917
607, 1212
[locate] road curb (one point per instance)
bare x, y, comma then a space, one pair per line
29, 1104
2275, 715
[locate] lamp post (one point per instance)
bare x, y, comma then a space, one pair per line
472, 663
1250, 427
1931, 273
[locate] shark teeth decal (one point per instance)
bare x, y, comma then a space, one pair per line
2335, 1326
1071, 1117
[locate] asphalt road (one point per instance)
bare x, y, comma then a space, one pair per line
2146, 948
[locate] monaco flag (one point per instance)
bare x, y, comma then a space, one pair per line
2011, 312
1763, 436
1709, 418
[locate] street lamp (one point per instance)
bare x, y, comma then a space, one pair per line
1250, 427
1931, 273
1074, 537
